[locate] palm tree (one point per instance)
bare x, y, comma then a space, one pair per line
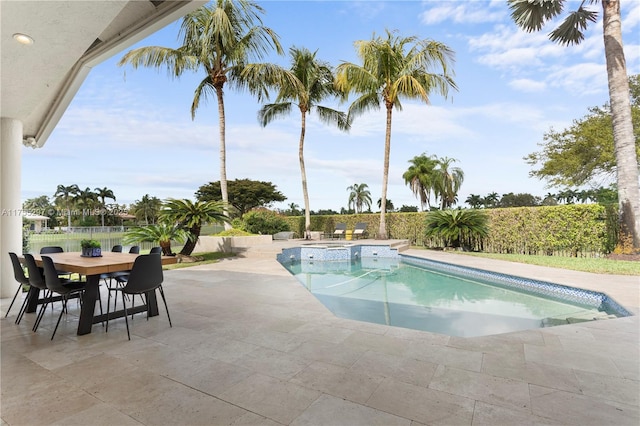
64, 197
492, 200
387, 74
308, 82
390, 207
531, 16
147, 207
359, 196
448, 181
420, 176
161, 233
220, 38
86, 200
191, 216
475, 201
103, 194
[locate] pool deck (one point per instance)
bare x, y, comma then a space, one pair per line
250, 346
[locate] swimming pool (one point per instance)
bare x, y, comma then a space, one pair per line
376, 284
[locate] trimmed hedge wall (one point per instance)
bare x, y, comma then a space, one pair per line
567, 230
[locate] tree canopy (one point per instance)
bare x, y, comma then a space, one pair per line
584, 154
244, 194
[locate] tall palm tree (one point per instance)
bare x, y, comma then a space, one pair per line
492, 200
359, 196
475, 201
220, 38
390, 207
448, 181
147, 207
64, 197
86, 200
389, 73
191, 216
420, 178
306, 83
531, 16
103, 194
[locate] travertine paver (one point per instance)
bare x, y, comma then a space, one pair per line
329, 410
250, 346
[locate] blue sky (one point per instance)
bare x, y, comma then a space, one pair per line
131, 130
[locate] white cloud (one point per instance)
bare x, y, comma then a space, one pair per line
462, 13
527, 85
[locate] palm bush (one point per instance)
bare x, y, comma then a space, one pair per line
458, 228
161, 234
191, 216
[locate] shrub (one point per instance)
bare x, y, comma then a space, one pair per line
457, 227
237, 223
264, 222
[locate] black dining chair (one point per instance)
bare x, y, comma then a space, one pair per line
64, 289
36, 281
155, 250
56, 249
109, 275
121, 276
146, 276
21, 278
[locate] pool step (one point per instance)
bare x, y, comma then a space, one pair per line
578, 317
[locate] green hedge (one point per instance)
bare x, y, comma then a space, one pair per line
567, 230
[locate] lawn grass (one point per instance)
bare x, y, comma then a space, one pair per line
584, 264
211, 257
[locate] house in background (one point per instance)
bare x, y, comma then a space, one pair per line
36, 222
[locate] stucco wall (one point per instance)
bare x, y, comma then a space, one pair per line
228, 244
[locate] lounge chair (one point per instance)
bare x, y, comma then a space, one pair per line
359, 230
340, 231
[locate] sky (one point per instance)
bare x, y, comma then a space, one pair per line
132, 132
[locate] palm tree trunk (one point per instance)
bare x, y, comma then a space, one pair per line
303, 173
223, 154
190, 244
623, 137
382, 231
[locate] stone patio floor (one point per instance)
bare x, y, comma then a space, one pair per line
250, 346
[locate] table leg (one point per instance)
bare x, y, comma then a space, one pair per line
152, 303
32, 303
89, 298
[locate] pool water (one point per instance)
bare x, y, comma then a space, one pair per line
389, 291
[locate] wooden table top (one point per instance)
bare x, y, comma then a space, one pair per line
109, 262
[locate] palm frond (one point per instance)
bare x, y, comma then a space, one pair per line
270, 112
202, 92
332, 116
571, 30
531, 15
176, 61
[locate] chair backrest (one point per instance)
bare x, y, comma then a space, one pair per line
117, 248
360, 226
156, 250
51, 249
18, 270
35, 274
51, 279
146, 274
134, 250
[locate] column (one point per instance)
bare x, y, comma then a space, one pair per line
10, 203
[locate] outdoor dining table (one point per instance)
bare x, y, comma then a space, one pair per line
92, 267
